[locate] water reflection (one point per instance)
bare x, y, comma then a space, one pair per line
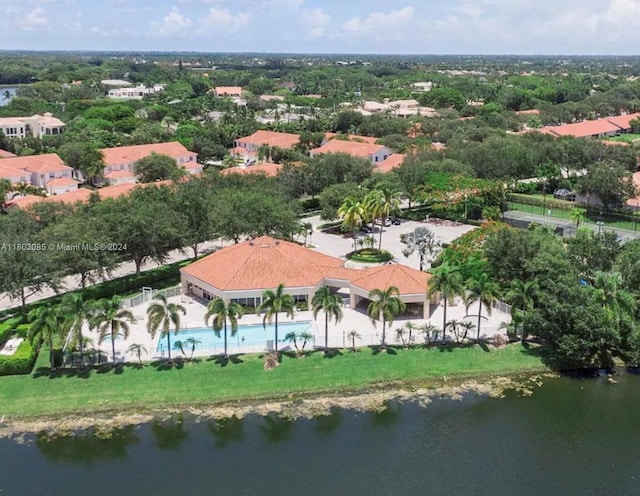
169, 433
87, 447
327, 424
387, 417
276, 429
226, 430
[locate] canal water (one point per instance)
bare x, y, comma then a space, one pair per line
4, 92
571, 437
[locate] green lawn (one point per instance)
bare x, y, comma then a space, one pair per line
208, 382
625, 137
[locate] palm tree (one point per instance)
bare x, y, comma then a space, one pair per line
138, 350
385, 305
113, 321
447, 281
454, 325
390, 204
77, 311
353, 335
467, 326
179, 345
46, 323
306, 336
220, 312
292, 337
409, 328
430, 333
161, 316
522, 295
578, 215
421, 240
485, 292
274, 302
612, 298
374, 204
193, 343
353, 215
331, 304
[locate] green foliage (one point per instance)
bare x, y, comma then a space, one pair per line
370, 255
157, 167
22, 361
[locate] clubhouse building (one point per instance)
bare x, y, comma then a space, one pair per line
240, 273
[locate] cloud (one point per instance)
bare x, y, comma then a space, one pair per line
34, 19
173, 23
316, 20
221, 19
379, 21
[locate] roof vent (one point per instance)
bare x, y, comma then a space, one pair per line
277, 243
251, 243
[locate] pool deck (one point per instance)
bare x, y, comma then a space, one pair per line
352, 320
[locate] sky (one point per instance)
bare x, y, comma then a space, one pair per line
572, 27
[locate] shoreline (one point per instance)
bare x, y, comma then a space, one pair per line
292, 406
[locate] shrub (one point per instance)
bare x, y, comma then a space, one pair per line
369, 255
21, 362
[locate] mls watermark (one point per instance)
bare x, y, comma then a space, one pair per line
63, 247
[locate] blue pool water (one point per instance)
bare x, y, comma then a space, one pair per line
247, 335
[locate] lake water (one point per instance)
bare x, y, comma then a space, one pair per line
570, 437
3, 100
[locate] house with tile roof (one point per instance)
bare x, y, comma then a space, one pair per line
40, 169
375, 153
122, 158
240, 273
349, 137
267, 168
269, 138
36, 126
392, 162
228, 91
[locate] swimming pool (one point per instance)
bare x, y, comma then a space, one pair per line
246, 337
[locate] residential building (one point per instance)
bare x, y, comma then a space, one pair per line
118, 83
392, 162
350, 137
228, 91
122, 158
268, 169
422, 86
598, 128
61, 185
270, 138
270, 98
375, 153
40, 169
240, 273
14, 175
36, 126
136, 93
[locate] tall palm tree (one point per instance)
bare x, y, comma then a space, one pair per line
374, 204
138, 350
353, 215
46, 323
113, 321
385, 305
521, 295
612, 298
331, 304
220, 312
274, 302
484, 291
430, 333
447, 281
389, 205
161, 316
77, 311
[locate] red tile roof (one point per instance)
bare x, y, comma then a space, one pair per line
352, 137
228, 90
262, 263
623, 121
391, 163
271, 138
6, 154
38, 164
584, 129
362, 150
7, 172
61, 181
271, 170
118, 174
407, 280
130, 154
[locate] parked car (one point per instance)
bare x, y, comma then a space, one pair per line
396, 221
365, 229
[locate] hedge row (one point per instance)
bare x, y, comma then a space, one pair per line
537, 202
121, 286
370, 256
